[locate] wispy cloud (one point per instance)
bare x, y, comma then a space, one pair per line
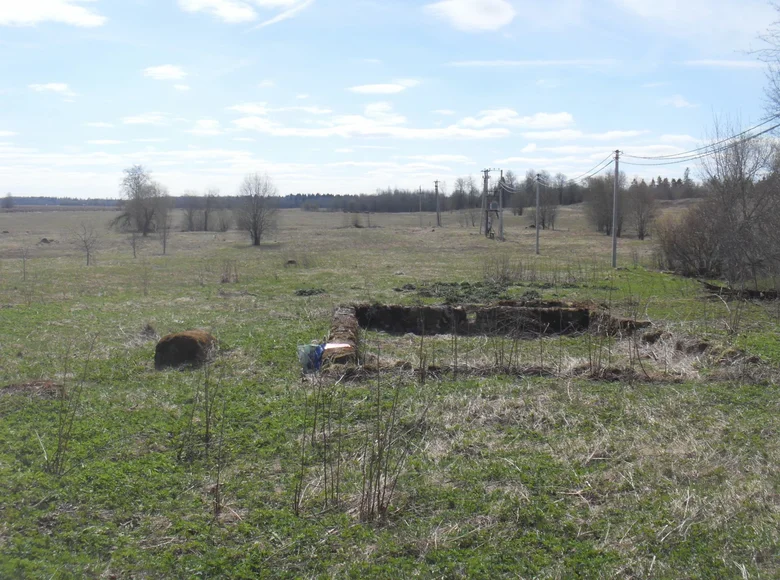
59, 88
165, 72
677, 101
576, 63
445, 112
206, 127
724, 63
386, 88
183, 88
266, 84
7, 133
654, 85
153, 118
574, 134
511, 118
100, 125
105, 142
32, 12
473, 15
287, 14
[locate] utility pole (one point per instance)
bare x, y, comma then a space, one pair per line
420, 212
484, 218
501, 207
615, 209
538, 176
438, 214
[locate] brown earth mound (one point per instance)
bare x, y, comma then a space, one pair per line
344, 329
191, 346
45, 389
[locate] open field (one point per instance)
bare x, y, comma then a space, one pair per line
546, 457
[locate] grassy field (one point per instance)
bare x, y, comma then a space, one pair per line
551, 457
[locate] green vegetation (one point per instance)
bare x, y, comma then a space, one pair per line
227, 471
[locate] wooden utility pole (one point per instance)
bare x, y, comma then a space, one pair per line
484, 202
420, 212
501, 207
615, 210
438, 213
538, 176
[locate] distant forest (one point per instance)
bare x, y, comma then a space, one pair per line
466, 193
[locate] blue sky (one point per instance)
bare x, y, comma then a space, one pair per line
348, 96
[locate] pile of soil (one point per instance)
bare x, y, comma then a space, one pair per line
189, 347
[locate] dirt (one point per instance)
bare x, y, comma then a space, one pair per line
189, 347
344, 329
43, 389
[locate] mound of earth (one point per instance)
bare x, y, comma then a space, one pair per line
191, 346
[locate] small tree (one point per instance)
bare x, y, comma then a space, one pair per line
642, 208
142, 198
257, 212
7, 202
87, 239
165, 220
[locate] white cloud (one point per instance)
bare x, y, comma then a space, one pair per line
729, 24
165, 72
445, 112
377, 120
302, 96
677, 101
287, 14
182, 87
548, 83
312, 110
530, 148
678, 139
59, 88
716, 63
152, 140
473, 15
105, 142
244, 139
100, 125
7, 133
654, 85
146, 119
206, 127
266, 84
570, 63
32, 12
238, 11
345, 150
574, 134
511, 118
442, 158
386, 88
250, 109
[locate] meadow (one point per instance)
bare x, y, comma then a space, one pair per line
645, 455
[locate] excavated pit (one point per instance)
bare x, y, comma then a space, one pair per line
509, 319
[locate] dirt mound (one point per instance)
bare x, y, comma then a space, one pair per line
344, 329
44, 389
191, 346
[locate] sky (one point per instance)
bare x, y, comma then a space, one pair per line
347, 96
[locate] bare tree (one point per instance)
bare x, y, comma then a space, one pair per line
165, 220
7, 202
210, 204
141, 204
191, 204
642, 208
599, 197
257, 212
87, 239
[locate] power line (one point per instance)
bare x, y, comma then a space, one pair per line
706, 149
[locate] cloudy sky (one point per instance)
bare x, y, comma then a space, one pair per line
346, 96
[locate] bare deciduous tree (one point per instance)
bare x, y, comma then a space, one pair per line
142, 201
641, 208
165, 220
87, 239
257, 212
7, 202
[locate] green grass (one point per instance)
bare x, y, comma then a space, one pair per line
506, 475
